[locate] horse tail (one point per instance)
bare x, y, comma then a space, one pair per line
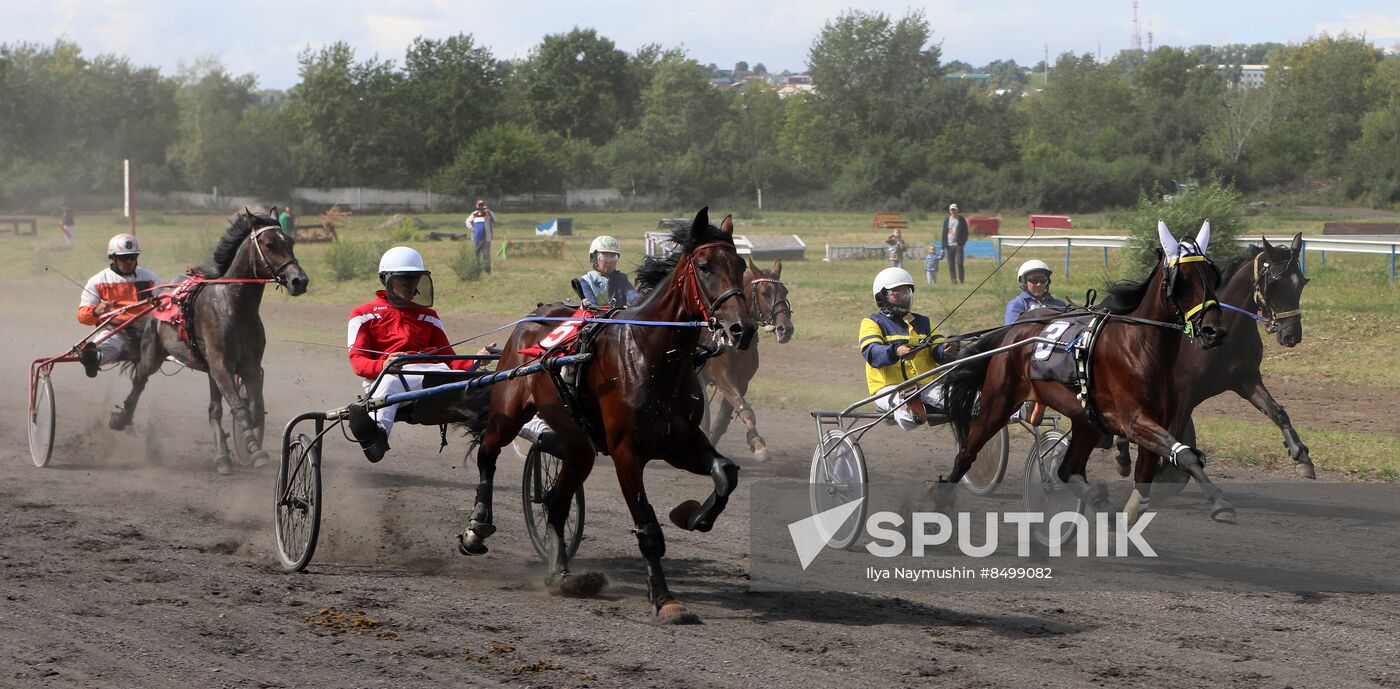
473, 410
962, 384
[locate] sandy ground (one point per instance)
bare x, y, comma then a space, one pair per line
127, 563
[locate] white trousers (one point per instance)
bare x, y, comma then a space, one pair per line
932, 398
112, 348
394, 384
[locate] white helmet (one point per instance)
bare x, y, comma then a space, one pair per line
401, 259
606, 244
891, 277
123, 245
1031, 266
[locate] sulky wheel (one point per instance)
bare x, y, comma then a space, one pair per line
838, 477
1044, 492
298, 515
541, 471
41, 420
990, 468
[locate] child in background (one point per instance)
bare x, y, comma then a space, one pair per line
931, 260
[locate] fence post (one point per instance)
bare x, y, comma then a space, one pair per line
1105, 257
1303, 258
1068, 242
1392, 265
997, 241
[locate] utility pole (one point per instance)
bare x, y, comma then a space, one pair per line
753, 147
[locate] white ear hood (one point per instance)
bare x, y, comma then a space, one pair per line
1169, 244
1203, 237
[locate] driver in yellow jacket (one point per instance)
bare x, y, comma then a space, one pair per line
890, 343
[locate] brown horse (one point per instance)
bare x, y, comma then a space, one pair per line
730, 374
1131, 372
227, 337
1266, 280
637, 399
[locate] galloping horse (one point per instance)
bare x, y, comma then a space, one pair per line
1266, 280
637, 399
730, 374
226, 338
1132, 369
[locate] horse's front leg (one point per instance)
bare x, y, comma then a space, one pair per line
245, 441
257, 412
691, 451
1154, 439
650, 540
1264, 401
223, 464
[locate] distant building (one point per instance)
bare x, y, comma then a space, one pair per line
1245, 76
974, 76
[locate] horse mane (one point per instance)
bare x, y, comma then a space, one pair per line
654, 269
1125, 296
239, 227
1234, 263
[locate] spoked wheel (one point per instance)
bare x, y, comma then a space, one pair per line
1045, 493
990, 468
541, 471
838, 478
298, 514
41, 420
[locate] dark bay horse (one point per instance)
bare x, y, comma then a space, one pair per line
1267, 280
637, 399
1133, 367
227, 333
730, 374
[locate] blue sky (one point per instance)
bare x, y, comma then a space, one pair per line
264, 37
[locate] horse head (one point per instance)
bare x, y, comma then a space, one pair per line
768, 300
272, 257
712, 276
1189, 284
1278, 289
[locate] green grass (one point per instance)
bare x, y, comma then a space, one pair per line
1363, 455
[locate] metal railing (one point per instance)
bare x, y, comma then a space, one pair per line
1320, 245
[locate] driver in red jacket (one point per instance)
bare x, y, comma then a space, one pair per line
399, 320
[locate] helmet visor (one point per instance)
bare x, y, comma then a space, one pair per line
409, 289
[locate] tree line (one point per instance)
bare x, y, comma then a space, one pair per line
884, 126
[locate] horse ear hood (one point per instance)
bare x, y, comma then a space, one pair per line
1165, 238
1203, 237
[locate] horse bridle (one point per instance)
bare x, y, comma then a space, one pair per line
779, 305
1191, 317
275, 273
707, 306
1263, 279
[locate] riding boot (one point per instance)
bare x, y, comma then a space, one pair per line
552, 443
367, 432
91, 359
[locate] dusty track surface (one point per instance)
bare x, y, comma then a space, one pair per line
129, 563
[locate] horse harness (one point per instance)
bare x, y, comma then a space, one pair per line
1261, 285
780, 306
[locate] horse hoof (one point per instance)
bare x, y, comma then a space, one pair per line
1224, 513
1125, 466
675, 613
259, 459
223, 466
470, 544
584, 585
760, 455
680, 516
1305, 471
118, 421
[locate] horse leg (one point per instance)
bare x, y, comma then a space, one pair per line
1124, 456
253, 387
1082, 441
719, 423
147, 363
1158, 441
994, 414
650, 541
578, 464
222, 463
501, 427
242, 420
1259, 396
1141, 499
696, 455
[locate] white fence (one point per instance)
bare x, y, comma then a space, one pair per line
1321, 245
371, 199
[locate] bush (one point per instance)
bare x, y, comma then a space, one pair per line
1217, 202
465, 265
351, 260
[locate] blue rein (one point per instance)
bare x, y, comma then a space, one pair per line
1251, 314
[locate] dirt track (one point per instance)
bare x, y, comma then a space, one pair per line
128, 563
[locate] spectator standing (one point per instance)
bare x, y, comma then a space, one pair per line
897, 248
954, 242
288, 221
482, 223
931, 260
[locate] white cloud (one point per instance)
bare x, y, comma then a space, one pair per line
1378, 27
